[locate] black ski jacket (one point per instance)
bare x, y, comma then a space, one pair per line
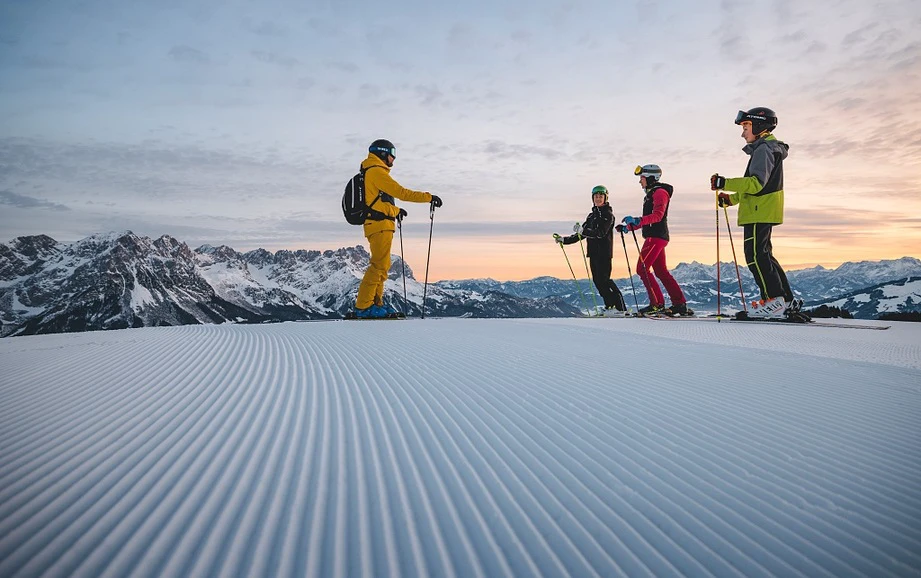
598, 229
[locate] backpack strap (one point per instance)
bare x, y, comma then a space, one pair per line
373, 214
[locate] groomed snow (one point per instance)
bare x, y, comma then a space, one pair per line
460, 447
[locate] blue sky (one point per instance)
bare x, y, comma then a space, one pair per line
238, 123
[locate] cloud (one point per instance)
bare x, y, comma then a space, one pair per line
503, 150
275, 58
460, 37
429, 94
184, 53
647, 11
906, 59
305, 83
490, 228
24, 202
155, 170
522, 36
341, 66
266, 28
736, 47
856, 37
797, 36
816, 47
850, 103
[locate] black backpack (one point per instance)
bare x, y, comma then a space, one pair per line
354, 206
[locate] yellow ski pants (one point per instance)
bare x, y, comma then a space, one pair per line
371, 290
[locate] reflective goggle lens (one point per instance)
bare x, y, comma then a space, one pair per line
740, 116
637, 170
390, 151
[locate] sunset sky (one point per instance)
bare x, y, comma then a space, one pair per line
239, 122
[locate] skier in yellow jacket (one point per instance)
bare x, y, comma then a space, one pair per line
380, 225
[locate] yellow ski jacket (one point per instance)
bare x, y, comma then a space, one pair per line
380, 181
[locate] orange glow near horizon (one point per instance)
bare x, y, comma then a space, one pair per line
527, 257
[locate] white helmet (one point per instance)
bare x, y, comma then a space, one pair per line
652, 173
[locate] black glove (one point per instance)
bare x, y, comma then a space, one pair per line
724, 200
401, 214
436, 201
717, 183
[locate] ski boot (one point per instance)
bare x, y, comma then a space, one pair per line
613, 312
650, 311
372, 312
772, 308
680, 310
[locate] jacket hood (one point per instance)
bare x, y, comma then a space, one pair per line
374, 161
771, 142
668, 188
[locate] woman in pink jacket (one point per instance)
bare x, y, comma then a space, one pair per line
654, 224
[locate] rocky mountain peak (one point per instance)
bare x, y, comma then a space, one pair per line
35, 247
259, 257
171, 247
220, 254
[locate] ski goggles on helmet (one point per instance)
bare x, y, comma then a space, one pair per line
743, 116
600, 190
392, 151
647, 171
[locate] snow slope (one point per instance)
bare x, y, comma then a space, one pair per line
461, 447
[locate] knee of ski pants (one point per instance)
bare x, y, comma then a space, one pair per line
380, 244
641, 270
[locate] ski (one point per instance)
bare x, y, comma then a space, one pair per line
350, 316
812, 323
765, 320
606, 315
662, 316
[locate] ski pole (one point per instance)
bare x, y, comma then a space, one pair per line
428, 255
719, 312
642, 261
588, 275
638, 250
736, 261
629, 272
403, 267
574, 280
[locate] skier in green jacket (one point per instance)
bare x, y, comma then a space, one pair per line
759, 195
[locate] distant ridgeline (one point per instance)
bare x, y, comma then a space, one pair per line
121, 280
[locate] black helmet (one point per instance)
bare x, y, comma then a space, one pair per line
763, 119
383, 148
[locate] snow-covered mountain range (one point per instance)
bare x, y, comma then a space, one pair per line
866, 288
120, 280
